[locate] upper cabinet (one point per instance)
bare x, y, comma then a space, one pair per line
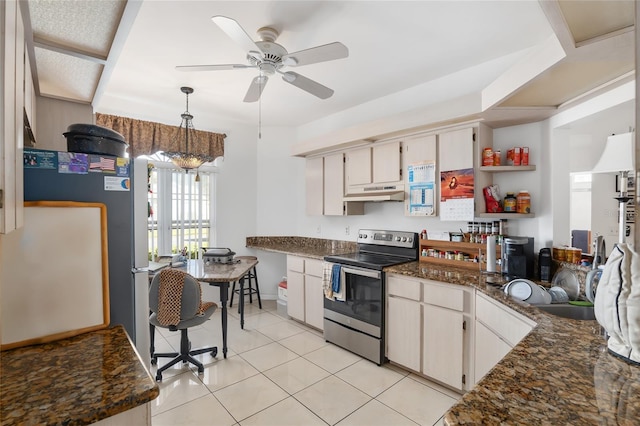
386, 163
358, 166
325, 187
375, 169
314, 185
420, 197
12, 75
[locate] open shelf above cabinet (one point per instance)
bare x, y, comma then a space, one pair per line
496, 169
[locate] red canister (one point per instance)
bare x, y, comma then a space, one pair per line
487, 157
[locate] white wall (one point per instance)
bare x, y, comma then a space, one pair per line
577, 146
53, 118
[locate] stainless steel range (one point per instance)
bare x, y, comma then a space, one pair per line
354, 319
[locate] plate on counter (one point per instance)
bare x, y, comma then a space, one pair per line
567, 280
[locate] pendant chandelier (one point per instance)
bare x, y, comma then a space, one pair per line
185, 159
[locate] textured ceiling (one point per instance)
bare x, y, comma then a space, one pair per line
120, 56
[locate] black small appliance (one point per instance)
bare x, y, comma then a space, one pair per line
544, 264
517, 257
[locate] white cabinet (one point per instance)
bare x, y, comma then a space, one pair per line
419, 150
305, 297
375, 165
386, 162
497, 330
325, 187
314, 301
489, 350
403, 322
314, 185
446, 338
12, 48
428, 329
359, 166
334, 188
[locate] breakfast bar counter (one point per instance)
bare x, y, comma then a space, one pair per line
74, 381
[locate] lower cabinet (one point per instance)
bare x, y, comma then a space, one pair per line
443, 345
313, 301
305, 297
403, 332
497, 330
428, 329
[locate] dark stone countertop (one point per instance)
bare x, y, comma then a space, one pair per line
74, 381
561, 373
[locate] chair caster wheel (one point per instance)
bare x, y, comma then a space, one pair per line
154, 361
214, 352
200, 370
158, 377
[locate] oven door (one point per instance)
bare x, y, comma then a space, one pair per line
363, 294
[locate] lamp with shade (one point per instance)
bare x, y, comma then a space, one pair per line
619, 157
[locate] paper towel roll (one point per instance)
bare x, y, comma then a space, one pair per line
491, 253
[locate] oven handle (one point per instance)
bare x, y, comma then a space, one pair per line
363, 272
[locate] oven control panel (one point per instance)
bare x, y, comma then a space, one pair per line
387, 238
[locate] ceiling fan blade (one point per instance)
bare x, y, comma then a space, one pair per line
237, 34
212, 67
327, 52
308, 85
256, 88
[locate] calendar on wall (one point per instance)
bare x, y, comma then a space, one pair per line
422, 189
457, 194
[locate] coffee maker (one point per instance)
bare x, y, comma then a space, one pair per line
517, 257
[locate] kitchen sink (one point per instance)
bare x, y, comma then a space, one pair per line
567, 310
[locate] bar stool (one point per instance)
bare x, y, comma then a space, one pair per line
248, 288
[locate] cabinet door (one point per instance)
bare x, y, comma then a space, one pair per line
295, 295
403, 332
443, 345
358, 166
12, 49
418, 150
386, 162
313, 177
314, 301
333, 184
490, 349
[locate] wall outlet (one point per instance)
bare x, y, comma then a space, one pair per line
347, 230
318, 230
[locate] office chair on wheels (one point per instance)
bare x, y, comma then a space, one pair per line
175, 303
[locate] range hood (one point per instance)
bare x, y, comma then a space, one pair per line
376, 193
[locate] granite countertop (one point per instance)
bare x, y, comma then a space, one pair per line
315, 248
561, 373
73, 381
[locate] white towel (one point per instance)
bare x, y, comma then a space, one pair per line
617, 302
326, 279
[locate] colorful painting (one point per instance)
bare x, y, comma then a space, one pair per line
456, 184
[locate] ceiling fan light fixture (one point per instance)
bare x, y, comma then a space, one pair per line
184, 159
289, 77
289, 61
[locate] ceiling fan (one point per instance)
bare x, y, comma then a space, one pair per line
270, 57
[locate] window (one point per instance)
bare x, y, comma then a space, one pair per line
183, 210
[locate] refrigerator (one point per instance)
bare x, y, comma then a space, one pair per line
120, 184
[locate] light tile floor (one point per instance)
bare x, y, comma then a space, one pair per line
280, 372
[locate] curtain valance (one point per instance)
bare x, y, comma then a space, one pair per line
148, 137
